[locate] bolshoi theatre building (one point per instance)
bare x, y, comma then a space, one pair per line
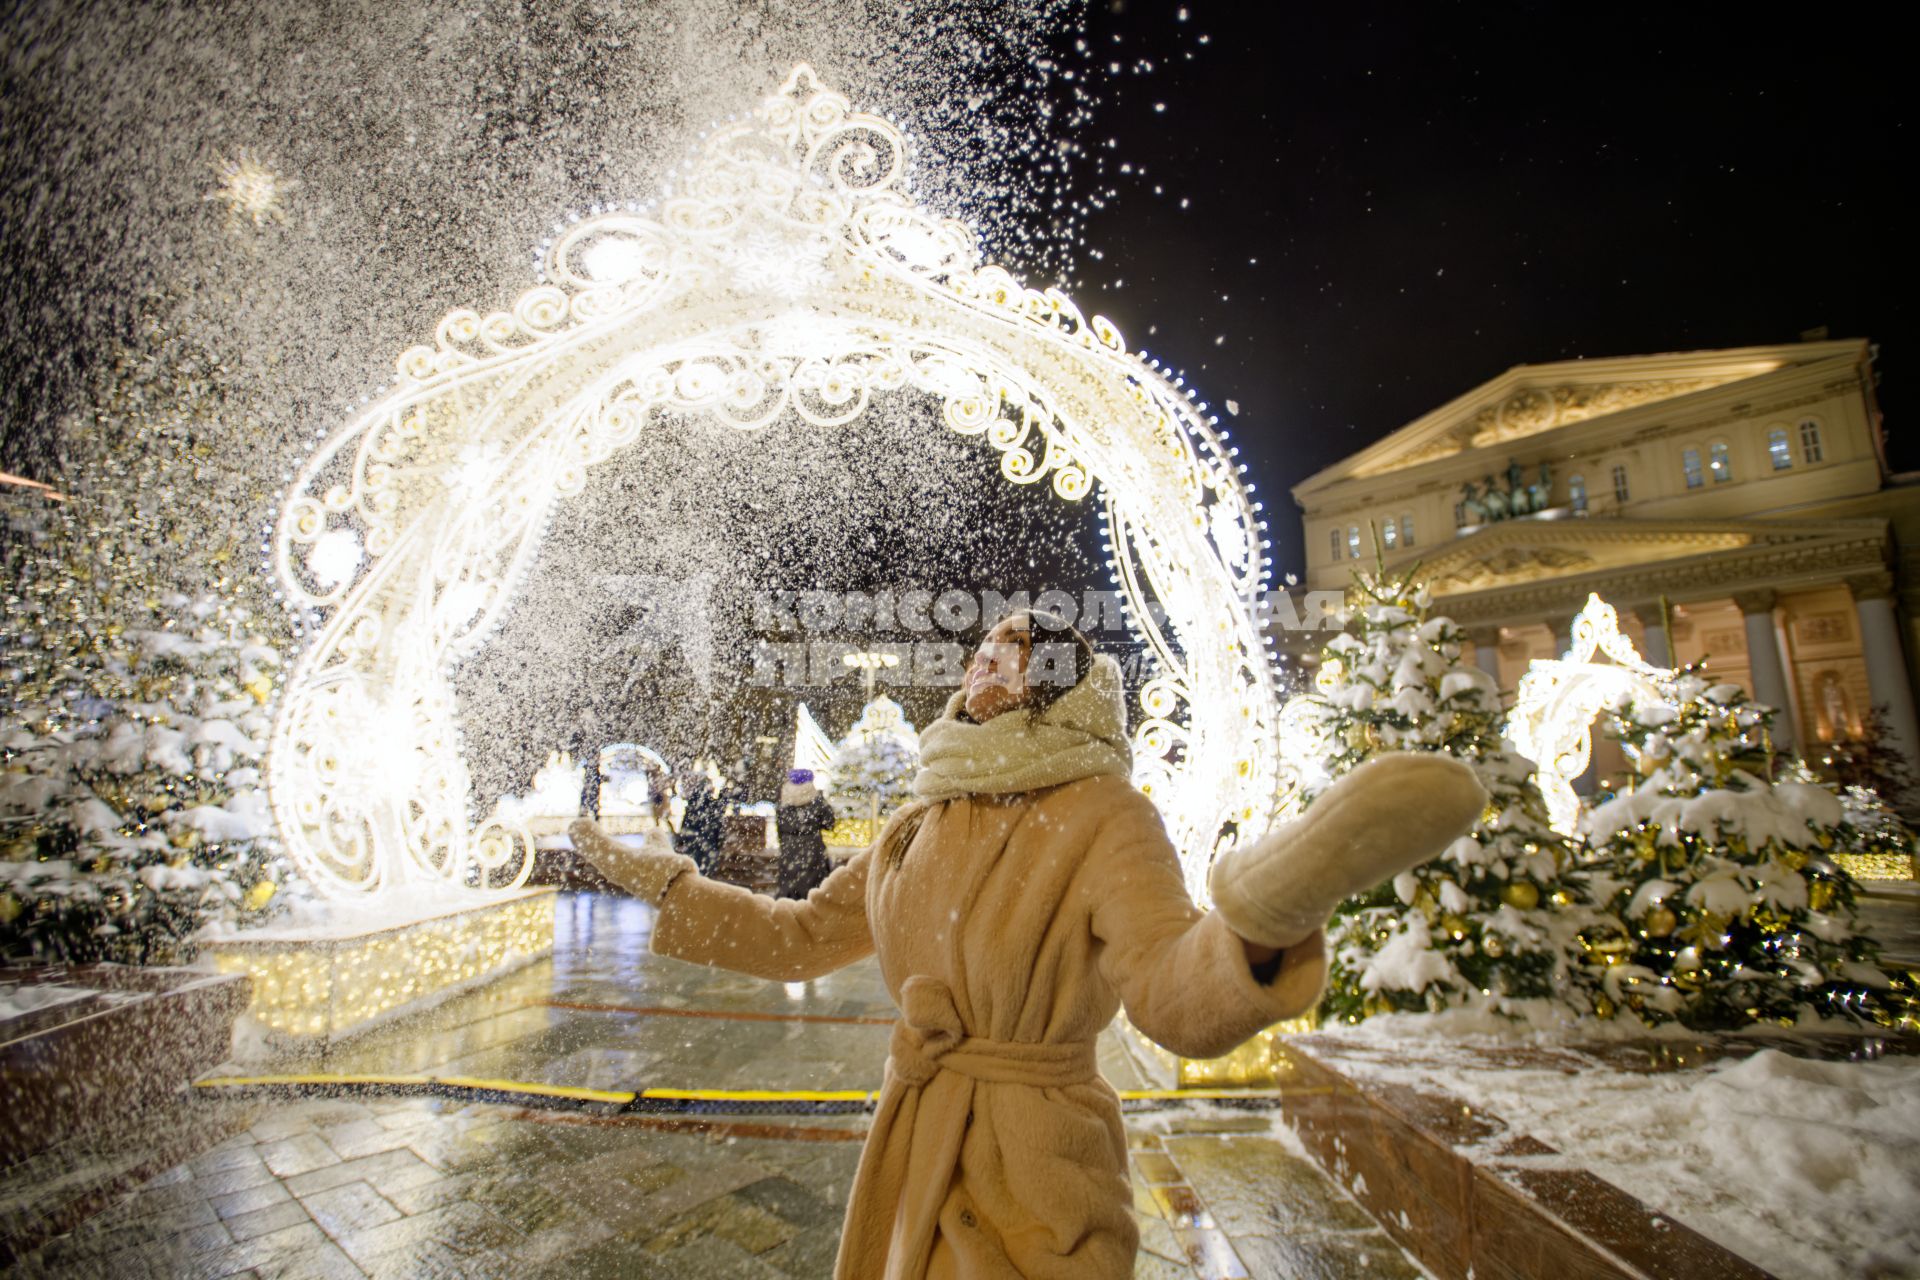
1735, 506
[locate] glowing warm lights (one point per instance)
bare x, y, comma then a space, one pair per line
1554, 707
323, 987
1876, 866
1254, 1063
788, 273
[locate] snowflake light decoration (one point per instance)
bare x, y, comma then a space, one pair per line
789, 272
251, 191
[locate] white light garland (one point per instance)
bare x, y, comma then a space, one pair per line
789, 272
1557, 700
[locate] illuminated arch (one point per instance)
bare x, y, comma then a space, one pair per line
1557, 701
405, 536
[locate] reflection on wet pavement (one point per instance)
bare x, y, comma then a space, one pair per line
385, 1186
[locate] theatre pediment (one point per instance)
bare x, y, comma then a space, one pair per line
1532, 410
1529, 400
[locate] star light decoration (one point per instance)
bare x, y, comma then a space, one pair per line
1556, 702
251, 191
787, 272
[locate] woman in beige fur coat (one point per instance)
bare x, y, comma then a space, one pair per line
1026, 896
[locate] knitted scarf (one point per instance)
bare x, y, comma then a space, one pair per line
1083, 735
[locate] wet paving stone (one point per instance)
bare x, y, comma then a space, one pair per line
429, 1187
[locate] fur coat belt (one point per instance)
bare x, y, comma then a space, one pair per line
928, 1038
935, 1077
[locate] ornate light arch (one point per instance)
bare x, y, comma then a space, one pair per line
788, 272
1556, 702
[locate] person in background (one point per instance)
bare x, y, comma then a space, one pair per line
588, 758
734, 795
700, 825
801, 821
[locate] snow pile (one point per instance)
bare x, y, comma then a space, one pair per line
304, 916
1806, 1168
18, 1000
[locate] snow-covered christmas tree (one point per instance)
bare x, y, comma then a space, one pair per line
133, 708
134, 819
873, 766
1720, 868
1488, 921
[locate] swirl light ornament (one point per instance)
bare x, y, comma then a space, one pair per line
788, 271
1556, 702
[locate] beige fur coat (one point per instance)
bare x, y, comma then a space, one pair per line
1012, 930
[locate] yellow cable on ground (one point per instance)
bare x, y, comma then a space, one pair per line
622, 1097
757, 1095
619, 1097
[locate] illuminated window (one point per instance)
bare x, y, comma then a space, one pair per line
1690, 463
1779, 449
1406, 531
1621, 492
1337, 548
1353, 542
1720, 464
1810, 442
1577, 494
1390, 535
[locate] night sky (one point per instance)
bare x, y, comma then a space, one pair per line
1337, 217
1386, 207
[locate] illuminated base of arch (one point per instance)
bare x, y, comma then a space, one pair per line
1880, 867
314, 987
1254, 1064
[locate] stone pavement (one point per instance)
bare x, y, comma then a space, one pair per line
387, 1186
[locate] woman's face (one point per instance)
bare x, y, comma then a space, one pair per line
996, 678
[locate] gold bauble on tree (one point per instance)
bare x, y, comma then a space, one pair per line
1521, 895
259, 896
1660, 921
1604, 944
1820, 894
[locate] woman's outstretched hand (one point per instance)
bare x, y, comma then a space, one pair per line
641, 872
1391, 813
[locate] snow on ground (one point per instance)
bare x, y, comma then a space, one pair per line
17, 1000
1806, 1168
311, 918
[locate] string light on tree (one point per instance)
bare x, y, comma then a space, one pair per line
1729, 906
136, 708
